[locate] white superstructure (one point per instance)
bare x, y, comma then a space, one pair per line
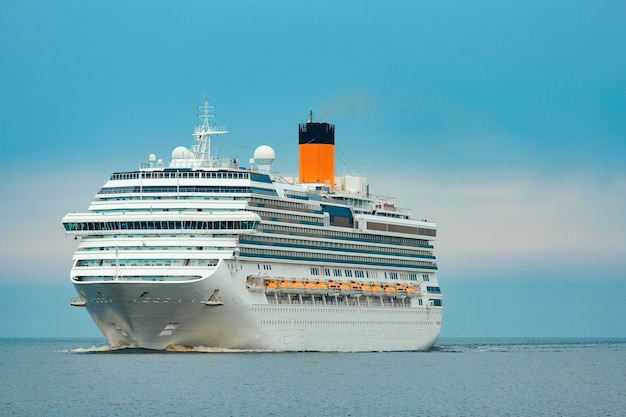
206, 253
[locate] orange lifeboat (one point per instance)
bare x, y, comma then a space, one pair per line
389, 288
366, 288
412, 291
376, 288
356, 288
270, 285
320, 287
333, 287
401, 290
284, 285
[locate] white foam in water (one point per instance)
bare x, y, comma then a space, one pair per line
96, 349
206, 349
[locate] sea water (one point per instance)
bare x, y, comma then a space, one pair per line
460, 377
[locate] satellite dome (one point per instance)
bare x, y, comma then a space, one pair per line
180, 153
264, 155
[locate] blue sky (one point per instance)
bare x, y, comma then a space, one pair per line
504, 122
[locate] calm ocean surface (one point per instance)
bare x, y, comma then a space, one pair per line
461, 377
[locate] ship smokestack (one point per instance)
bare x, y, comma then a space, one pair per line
316, 152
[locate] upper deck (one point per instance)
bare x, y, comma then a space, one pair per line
195, 180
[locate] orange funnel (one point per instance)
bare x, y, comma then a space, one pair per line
316, 153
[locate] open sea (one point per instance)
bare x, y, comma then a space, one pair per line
460, 377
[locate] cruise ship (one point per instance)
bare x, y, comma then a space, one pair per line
205, 253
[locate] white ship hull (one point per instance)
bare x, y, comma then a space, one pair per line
205, 253
177, 314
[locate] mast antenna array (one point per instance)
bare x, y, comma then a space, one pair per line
202, 150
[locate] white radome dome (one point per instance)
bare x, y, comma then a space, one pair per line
180, 152
264, 155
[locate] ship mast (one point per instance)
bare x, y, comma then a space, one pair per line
202, 150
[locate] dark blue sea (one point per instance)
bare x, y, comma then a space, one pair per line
460, 377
